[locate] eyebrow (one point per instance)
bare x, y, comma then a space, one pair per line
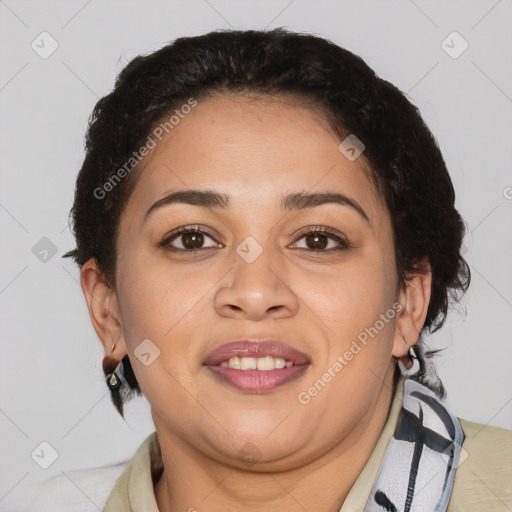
297, 201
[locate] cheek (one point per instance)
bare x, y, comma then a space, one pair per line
163, 302
356, 311
150, 311
356, 304
351, 297
156, 294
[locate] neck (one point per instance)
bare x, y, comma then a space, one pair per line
191, 482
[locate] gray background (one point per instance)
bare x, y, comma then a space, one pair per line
51, 385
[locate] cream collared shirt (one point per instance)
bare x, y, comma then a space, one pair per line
483, 480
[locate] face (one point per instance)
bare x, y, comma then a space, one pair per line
318, 279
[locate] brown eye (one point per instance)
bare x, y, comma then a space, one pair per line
316, 241
188, 240
322, 240
192, 240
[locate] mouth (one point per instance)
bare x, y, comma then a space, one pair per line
256, 366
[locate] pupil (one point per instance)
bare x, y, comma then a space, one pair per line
190, 238
317, 245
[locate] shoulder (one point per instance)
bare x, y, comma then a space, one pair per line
80, 490
134, 489
484, 473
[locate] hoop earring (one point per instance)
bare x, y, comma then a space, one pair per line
414, 369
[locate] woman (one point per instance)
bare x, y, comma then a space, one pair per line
266, 232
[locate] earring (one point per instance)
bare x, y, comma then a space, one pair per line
113, 380
414, 369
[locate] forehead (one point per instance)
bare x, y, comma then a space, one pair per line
255, 148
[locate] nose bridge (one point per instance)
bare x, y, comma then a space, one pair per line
256, 288
255, 267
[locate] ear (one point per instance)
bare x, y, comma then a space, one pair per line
414, 299
104, 311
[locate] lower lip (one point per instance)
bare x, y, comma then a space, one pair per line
258, 381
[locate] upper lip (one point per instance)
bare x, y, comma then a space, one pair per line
253, 347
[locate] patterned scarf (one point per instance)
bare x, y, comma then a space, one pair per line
418, 468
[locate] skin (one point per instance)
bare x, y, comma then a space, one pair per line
257, 149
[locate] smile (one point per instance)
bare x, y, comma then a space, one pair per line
265, 363
256, 366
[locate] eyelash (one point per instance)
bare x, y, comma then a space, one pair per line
343, 242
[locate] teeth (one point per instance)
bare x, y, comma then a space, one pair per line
265, 363
279, 363
234, 362
248, 363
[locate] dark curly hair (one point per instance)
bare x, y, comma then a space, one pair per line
401, 154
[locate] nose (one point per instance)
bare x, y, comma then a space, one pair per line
257, 291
